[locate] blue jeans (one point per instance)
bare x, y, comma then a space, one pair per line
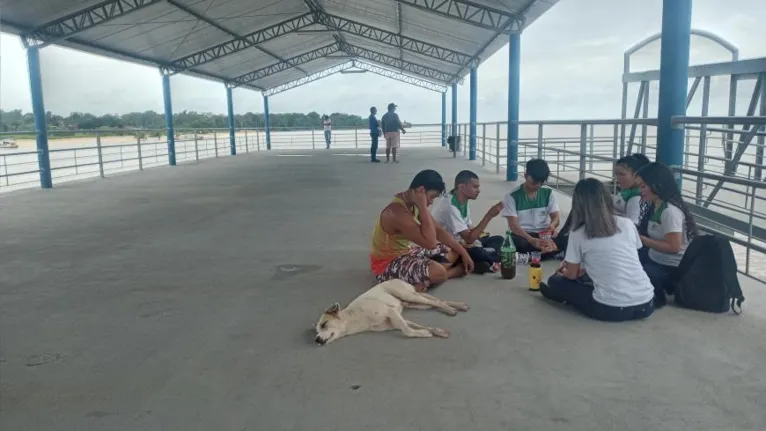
660, 275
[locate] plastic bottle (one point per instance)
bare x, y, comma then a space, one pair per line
508, 258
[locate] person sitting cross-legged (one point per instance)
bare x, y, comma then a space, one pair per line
407, 243
532, 209
604, 246
452, 212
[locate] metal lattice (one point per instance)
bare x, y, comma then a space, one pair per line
416, 69
397, 40
236, 45
287, 64
307, 79
401, 77
465, 11
83, 20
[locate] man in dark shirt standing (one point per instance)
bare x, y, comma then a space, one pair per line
374, 134
391, 126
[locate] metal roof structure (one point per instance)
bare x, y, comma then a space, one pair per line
274, 45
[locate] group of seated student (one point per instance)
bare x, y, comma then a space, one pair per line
619, 252
623, 250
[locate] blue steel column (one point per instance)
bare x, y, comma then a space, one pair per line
514, 90
444, 119
674, 80
38, 108
266, 119
472, 130
230, 106
454, 110
169, 120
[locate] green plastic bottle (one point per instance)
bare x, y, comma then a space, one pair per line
508, 258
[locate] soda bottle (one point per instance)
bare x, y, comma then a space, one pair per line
508, 258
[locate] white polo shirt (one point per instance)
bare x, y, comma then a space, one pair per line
628, 202
668, 218
534, 214
612, 263
449, 214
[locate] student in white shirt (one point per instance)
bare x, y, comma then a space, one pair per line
628, 200
327, 123
452, 212
604, 246
531, 209
669, 227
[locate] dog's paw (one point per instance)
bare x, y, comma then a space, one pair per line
449, 311
460, 306
439, 332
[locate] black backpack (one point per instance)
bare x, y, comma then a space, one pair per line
706, 279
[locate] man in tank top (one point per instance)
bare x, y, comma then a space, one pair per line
407, 243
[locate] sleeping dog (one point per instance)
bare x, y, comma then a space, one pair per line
380, 309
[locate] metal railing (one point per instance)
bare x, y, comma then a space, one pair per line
88, 154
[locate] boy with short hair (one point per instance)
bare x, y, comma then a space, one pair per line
532, 209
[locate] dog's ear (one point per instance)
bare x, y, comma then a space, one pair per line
333, 309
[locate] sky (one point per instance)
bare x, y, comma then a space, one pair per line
571, 66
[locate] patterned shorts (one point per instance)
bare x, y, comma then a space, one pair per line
413, 266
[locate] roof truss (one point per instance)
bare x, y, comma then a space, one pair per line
359, 65
468, 12
70, 25
465, 11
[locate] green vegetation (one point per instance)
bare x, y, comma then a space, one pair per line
83, 124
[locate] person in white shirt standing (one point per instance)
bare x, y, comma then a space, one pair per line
327, 123
604, 246
669, 227
452, 212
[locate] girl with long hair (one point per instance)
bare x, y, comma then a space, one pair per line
669, 226
603, 245
628, 200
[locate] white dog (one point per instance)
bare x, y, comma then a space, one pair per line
380, 309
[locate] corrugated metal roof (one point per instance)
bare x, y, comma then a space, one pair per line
264, 44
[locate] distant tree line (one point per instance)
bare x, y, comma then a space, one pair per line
18, 121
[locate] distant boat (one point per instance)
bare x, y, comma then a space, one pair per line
8, 143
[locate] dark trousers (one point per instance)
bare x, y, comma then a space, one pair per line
661, 276
580, 296
374, 147
482, 254
524, 246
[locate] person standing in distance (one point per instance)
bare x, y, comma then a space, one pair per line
327, 123
391, 125
374, 134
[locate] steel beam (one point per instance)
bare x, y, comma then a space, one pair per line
249, 40
454, 110
226, 30
416, 69
674, 80
744, 69
307, 79
319, 15
397, 40
472, 114
79, 21
171, 137
38, 108
466, 12
514, 92
284, 65
230, 110
444, 119
266, 121
418, 82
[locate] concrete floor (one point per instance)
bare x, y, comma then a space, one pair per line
154, 301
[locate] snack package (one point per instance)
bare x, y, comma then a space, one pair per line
546, 242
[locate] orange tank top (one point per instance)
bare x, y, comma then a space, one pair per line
387, 247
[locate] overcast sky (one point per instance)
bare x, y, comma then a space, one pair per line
571, 66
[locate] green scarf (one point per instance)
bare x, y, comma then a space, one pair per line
463, 208
657, 215
629, 194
